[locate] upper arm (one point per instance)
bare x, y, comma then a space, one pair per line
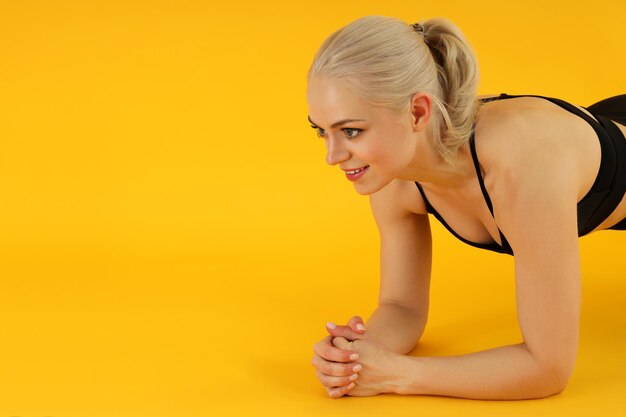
405, 252
536, 208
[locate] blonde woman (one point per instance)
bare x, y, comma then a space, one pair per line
523, 175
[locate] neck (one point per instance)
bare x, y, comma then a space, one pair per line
430, 168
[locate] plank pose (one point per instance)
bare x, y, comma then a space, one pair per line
523, 175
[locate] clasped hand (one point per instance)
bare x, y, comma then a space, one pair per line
350, 362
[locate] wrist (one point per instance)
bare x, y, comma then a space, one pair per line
404, 376
396, 381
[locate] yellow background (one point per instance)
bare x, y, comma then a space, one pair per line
172, 241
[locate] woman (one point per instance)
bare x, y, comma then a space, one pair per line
397, 109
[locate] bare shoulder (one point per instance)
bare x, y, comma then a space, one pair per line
524, 136
530, 152
399, 199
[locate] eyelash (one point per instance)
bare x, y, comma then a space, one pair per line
321, 135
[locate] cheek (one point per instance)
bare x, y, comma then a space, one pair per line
386, 153
373, 153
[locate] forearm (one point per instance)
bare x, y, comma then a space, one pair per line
504, 373
397, 327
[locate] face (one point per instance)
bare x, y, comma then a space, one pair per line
358, 134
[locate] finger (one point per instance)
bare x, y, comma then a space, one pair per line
343, 331
326, 350
336, 381
335, 368
340, 391
357, 324
341, 343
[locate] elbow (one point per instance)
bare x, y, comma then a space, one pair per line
552, 371
554, 378
562, 377
554, 384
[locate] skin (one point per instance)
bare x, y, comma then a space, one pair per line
538, 161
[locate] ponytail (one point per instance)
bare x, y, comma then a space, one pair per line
457, 75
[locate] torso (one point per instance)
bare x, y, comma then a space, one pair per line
464, 208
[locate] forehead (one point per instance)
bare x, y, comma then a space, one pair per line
330, 100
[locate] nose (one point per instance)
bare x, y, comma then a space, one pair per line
335, 151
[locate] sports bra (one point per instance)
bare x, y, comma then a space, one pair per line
599, 202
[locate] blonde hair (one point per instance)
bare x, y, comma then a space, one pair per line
386, 61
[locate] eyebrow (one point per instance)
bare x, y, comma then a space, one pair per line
339, 123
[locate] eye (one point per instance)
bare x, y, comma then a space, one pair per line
352, 132
320, 132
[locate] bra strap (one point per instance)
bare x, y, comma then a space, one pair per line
479, 174
488, 99
429, 208
505, 243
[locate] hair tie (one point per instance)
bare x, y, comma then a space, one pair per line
418, 28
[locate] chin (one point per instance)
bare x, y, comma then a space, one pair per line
368, 189
364, 192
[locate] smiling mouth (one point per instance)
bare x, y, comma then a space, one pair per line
356, 170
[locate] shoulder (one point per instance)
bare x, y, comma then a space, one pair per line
398, 199
524, 136
405, 244
530, 171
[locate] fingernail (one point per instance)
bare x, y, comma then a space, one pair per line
351, 385
353, 377
357, 367
360, 327
331, 325
354, 356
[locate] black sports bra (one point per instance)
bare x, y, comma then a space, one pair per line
604, 195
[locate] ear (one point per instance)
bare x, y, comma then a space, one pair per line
421, 109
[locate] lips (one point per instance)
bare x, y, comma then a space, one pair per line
357, 173
355, 170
